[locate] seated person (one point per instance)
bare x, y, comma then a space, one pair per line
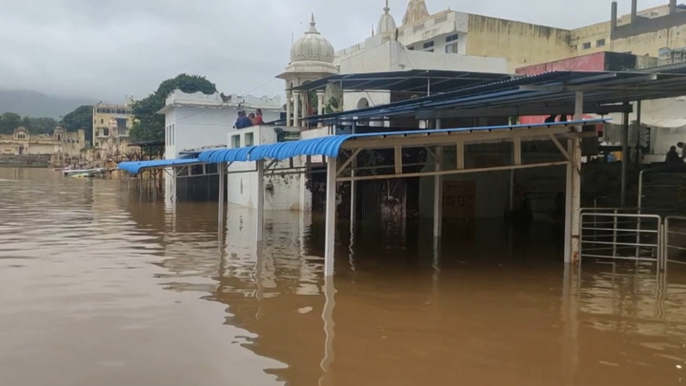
243, 121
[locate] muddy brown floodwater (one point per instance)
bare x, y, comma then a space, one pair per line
100, 288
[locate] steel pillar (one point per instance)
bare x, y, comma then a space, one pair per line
625, 157
259, 222
575, 197
330, 239
222, 188
438, 195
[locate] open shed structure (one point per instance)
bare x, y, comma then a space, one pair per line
567, 93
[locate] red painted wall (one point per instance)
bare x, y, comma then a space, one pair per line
592, 62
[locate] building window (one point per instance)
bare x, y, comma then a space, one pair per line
102, 121
410, 48
586, 46
451, 38
173, 134
428, 45
451, 48
235, 141
249, 139
600, 43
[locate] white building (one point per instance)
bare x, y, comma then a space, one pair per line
197, 121
438, 43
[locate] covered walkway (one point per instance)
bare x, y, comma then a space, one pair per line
341, 152
558, 93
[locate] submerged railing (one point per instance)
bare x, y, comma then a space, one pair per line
628, 235
621, 234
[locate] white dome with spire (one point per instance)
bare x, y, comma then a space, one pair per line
312, 47
386, 23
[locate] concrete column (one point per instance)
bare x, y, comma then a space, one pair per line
330, 239
296, 109
672, 6
320, 104
259, 221
634, 11
304, 96
439, 124
438, 195
289, 102
574, 206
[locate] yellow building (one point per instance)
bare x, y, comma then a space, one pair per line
111, 127
656, 32
65, 145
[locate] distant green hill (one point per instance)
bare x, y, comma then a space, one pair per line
34, 104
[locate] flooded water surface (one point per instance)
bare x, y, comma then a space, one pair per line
99, 287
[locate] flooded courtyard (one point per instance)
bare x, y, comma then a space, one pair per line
99, 287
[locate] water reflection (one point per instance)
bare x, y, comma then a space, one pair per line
99, 286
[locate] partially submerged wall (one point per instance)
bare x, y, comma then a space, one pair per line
25, 161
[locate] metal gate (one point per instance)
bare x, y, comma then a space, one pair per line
622, 234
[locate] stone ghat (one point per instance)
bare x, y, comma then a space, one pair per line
25, 161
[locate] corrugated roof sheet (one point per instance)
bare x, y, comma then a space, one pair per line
136, 167
330, 146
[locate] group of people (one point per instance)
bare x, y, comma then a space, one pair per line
673, 157
253, 119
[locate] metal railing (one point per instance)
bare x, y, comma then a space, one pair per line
674, 239
622, 234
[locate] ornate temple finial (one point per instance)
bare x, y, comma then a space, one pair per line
313, 25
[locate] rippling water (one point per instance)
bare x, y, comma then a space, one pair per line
99, 287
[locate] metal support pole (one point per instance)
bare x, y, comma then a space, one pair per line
576, 181
259, 222
460, 155
438, 195
222, 188
353, 193
568, 206
625, 157
330, 239
639, 107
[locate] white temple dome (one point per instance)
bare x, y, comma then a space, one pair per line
386, 23
312, 47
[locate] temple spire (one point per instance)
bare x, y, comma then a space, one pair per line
416, 10
313, 25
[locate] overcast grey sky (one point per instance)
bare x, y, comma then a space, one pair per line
106, 49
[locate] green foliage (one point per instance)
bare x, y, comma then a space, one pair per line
10, 121
81, 118
148, 125
41, 125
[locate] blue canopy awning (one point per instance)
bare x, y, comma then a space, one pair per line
330, 146
136, 167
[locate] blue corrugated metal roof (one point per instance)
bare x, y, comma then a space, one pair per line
330, 146
226, 155
136, 167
